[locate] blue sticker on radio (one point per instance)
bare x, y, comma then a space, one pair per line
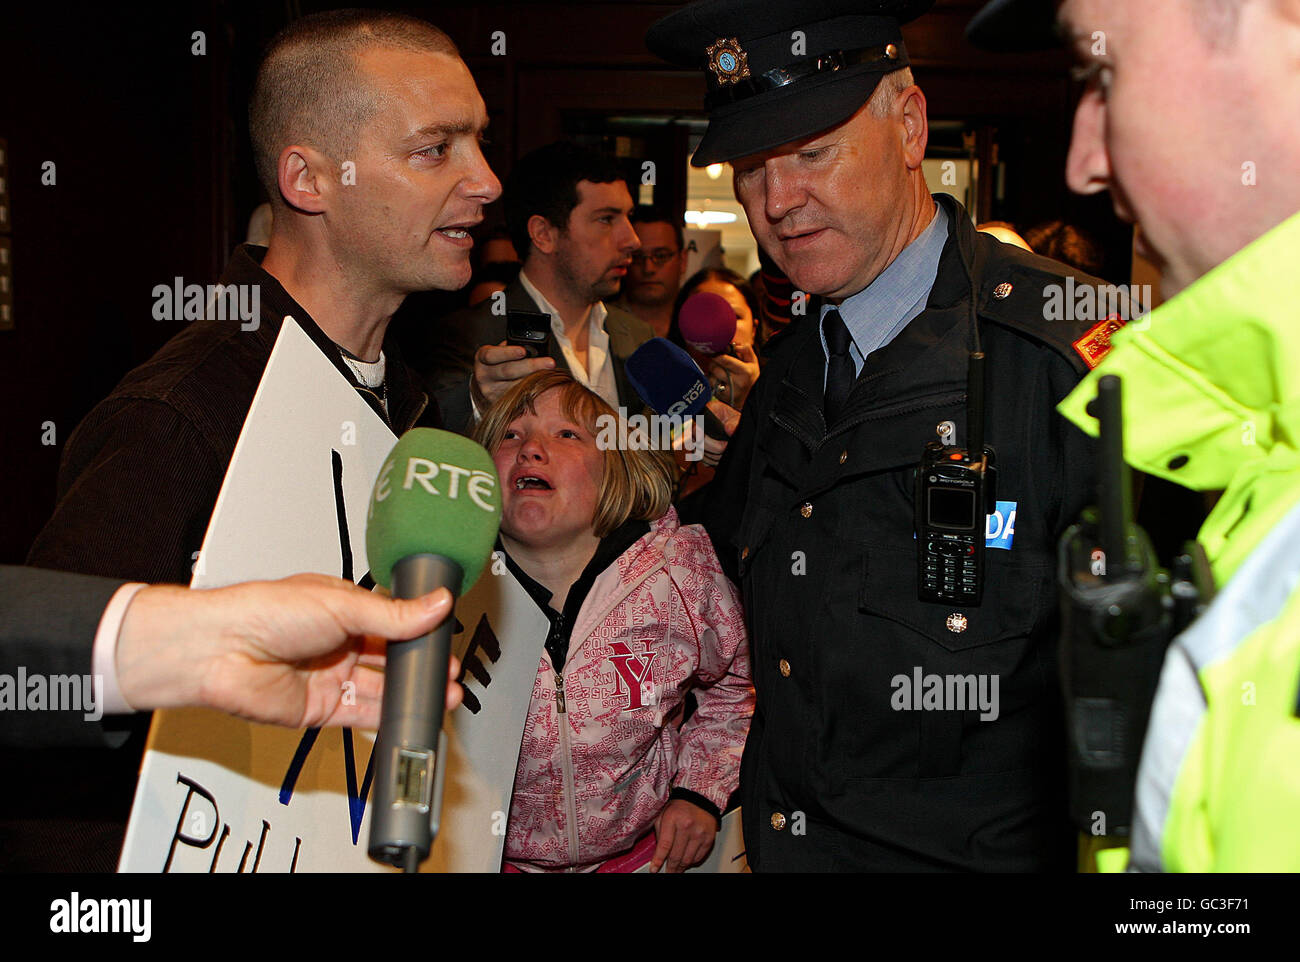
1000, 526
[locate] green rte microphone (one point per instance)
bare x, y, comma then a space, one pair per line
433, 519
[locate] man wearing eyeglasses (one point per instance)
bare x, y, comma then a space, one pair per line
657, 270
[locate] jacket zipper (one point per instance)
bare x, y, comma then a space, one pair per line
566, 764
562, 719
416, 416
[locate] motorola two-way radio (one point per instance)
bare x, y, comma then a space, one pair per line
1119, 612
955, 493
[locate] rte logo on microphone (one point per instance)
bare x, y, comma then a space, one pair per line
481, 486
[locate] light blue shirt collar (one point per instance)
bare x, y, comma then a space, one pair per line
879, 312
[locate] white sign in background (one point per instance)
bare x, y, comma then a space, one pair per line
216, 792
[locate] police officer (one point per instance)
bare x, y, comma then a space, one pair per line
890, 733
1184, 99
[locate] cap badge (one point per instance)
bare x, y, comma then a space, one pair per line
728, 61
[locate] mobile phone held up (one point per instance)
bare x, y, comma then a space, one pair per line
530, 330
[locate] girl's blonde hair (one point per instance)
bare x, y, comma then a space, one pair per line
635, 484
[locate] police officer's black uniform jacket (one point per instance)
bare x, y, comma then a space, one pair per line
819, 526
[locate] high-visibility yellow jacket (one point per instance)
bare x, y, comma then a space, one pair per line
1212, 401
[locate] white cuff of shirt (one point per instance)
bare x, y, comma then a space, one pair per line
103, 661
476, 415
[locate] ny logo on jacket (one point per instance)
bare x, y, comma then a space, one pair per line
635, 672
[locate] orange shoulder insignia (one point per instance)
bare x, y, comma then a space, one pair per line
1095, 345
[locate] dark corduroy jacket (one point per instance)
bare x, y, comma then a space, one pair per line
140, 475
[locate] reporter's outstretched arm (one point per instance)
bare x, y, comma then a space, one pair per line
304, 651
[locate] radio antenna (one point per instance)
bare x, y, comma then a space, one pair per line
1115, 496
975, 406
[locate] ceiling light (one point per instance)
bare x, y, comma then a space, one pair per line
703, 218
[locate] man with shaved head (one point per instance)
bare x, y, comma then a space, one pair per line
365, 130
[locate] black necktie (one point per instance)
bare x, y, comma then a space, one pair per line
839, 370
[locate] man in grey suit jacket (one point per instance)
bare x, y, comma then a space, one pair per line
75, 648
567, 210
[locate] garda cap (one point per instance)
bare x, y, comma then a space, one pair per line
783, 70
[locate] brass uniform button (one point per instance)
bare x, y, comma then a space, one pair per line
806, 510
778, 821
785, 668
744, 552
844, 456
1002, 291
891, 51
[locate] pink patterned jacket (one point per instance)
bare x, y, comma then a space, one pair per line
602, 748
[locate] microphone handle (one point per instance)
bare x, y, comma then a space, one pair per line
406, 748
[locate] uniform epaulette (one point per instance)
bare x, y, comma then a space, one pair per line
779, 339
1072, 312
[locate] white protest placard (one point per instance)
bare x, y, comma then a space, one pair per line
218, 793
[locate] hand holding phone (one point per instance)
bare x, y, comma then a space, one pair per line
530, 330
